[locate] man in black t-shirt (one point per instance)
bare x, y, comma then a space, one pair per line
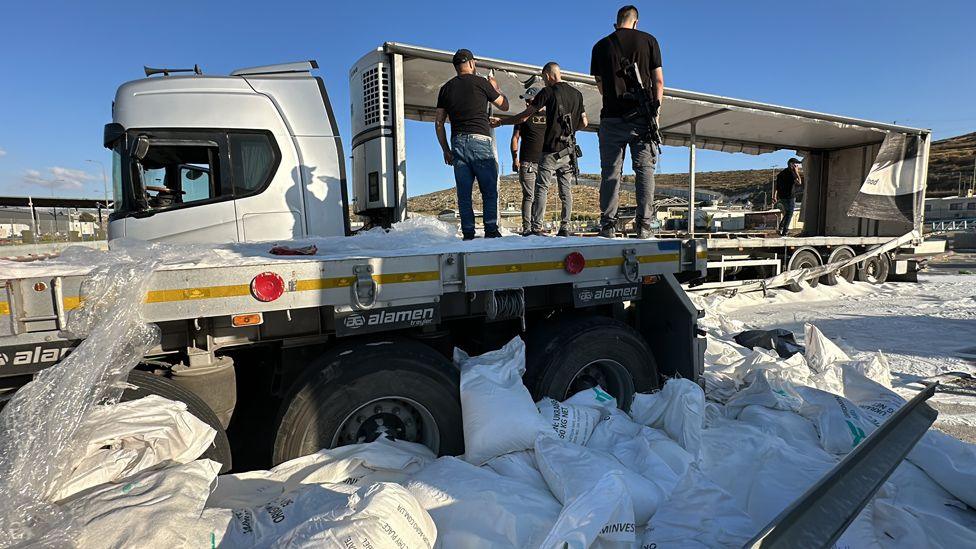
564, 116
788, 182
617, 132
464, 100
526, 150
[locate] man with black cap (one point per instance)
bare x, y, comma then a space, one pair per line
618, 130
526, 150
788, 181
464, 100
564, 116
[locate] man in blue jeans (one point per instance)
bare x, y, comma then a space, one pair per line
464, 100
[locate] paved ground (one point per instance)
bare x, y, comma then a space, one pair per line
926, 330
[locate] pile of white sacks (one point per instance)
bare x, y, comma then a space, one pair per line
685, 468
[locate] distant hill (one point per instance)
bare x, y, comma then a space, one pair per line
947, 159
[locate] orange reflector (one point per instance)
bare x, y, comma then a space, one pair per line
250, 319
650, 279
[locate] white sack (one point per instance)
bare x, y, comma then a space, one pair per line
794, 429
262, 525
599, 518
569, 422
129, 437
765, 389
383, 460
379, 516
496, 409
678, 409
154, 508
761, 472
699, 514
520, 467
571, 470
476, 508
948, 460
821, 351
840, 424
594, 397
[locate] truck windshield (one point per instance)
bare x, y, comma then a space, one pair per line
171, 174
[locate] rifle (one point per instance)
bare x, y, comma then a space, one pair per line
568, 126
647, 108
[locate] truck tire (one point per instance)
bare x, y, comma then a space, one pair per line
875, 269
574, 353
357, 392
848, 273
804, 259
146, 384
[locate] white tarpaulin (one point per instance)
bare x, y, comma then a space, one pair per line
893, 188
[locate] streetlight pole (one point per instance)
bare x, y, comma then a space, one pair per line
104, 179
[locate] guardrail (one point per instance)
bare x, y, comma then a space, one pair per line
953, 225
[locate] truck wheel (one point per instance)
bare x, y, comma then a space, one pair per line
875, 269
847, 273
148, 384
804, 259
358, 392
576, 353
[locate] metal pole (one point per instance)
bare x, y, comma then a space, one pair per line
30, 202
104, 179
691, 179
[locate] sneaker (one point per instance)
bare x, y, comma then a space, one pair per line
492, 233
607, 232
468, 236
562, 232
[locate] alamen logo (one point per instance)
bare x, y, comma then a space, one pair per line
616, 293
391, 317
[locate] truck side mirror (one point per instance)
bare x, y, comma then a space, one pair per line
140, 147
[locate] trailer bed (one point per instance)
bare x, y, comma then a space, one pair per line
211, 282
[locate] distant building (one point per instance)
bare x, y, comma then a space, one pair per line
950, 207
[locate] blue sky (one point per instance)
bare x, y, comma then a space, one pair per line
61, 62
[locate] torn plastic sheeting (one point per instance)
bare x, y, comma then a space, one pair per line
382, 460
821, 352
40, 424
497, 411
777, 339
129, 437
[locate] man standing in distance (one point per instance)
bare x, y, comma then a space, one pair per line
564, 115
526, 150
464, 100
788, 182
618, 129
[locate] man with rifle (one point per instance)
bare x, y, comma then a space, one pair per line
564, 116
627, 68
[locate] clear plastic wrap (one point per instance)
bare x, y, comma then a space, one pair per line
40, 427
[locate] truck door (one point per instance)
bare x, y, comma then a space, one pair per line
178, 188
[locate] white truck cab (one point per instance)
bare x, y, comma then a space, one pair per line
247, 157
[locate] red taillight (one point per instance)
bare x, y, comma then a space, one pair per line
574, 263
267, 287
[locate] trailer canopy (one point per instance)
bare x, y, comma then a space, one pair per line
721, 123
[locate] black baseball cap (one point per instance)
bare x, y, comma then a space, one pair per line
794, 160
462, 56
